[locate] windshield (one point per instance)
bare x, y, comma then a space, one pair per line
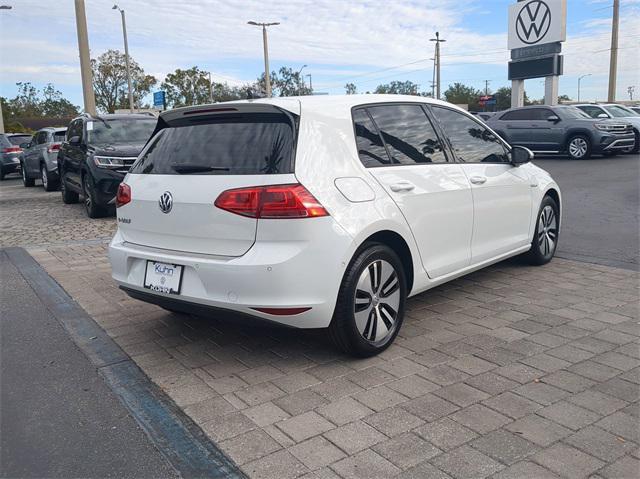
120, 130
59, 135
18, 139
618, 111
573, 112
238, 144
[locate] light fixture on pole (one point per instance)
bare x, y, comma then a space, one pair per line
300, 77
579, 80
126, 54
438, 41
267, 78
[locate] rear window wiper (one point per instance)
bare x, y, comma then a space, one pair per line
195, 168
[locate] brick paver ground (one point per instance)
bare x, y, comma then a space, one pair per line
510, 372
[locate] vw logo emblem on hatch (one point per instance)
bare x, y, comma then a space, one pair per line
533, 22
165, 202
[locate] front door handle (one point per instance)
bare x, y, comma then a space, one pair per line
478, 180
402, 186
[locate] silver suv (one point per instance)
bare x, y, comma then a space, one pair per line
562, 129
40, 158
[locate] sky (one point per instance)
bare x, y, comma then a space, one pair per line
365, 42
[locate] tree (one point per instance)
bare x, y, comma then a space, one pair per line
285, 82
563, 98
398, 88
33, 103
350, 89
55, 105
110, 81
461, 94
27, 101
186, 87
503, 98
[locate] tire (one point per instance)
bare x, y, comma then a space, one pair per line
636, 147
1, 174
68, 197
373, 328
545, 238
26, 181
48, 183
93, 210
579, 147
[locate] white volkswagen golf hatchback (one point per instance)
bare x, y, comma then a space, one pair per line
318, 212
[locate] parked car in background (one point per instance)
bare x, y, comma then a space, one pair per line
10, 152
40, 158
319, 212
635, 109
562, 129
611, 110
483, 115
97, 153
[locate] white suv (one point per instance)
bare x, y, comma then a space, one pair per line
319, 212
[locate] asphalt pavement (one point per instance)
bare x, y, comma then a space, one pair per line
601, 199
58, 416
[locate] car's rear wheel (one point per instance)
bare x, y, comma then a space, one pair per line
93, 209
26, 181
1, 174
48, 183
370, 307
579, 147
68, 197
545, 238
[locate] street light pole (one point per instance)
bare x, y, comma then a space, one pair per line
299, 72
85, 61
126, 55
438, 41
210, 89
579, 80
3, 7
267, 77
310, 84
613, 60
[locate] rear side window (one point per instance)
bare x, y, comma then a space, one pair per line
371, 149
236, 144
408, 134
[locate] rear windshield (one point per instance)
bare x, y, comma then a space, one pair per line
18, 139
236, 144
4, 142
59, 135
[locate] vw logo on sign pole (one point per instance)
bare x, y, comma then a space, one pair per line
533, 22
165, 202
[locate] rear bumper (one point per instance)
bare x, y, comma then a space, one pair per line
272, 274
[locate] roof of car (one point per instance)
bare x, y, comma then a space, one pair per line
117, 116
314, 102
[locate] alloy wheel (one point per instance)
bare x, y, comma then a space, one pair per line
45, 178
578, 147
377, 300
547, 231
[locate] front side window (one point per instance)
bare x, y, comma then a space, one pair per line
408, 134
592, 111
120, 130
235, 144
371, 149
572, 113
471, 142
618, 111
75, 129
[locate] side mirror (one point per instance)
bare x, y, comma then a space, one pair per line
553, 118
25, 145
602, 115
520, 155
74, 140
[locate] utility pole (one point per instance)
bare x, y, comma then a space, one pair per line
85, 61
3, 7
299, 77
310, 84
613, 59
126, 55
486, 87
433, 78
210, 89
267, 77
438, 41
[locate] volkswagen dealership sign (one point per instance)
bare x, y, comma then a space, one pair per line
537, 22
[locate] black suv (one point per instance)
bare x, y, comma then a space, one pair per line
97, 153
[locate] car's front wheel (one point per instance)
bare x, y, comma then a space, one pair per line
371, 301
26, 181
579, 147
545, 238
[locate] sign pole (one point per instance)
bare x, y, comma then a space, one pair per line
551, 90
517, 93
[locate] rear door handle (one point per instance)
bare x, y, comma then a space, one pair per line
402, 186
478, 180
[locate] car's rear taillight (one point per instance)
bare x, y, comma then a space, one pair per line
276, 201
53, 147
124, 195
12, 149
